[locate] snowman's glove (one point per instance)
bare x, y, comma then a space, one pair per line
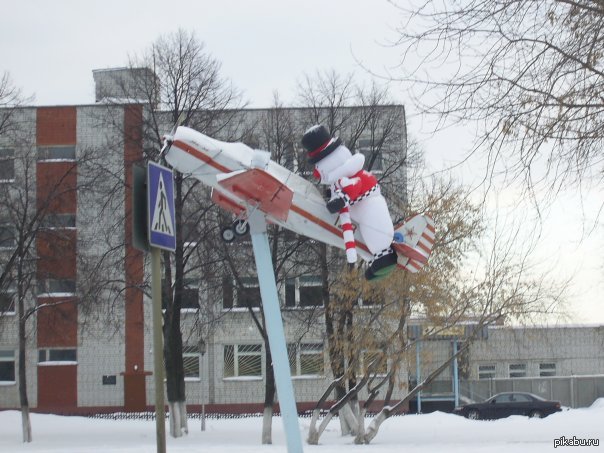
345, 182
335, 205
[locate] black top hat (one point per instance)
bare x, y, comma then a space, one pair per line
318, 142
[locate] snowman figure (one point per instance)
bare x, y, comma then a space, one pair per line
354, 191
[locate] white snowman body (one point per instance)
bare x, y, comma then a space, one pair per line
343, 171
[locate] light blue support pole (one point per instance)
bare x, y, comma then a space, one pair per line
455, 374
276, 335
418, 374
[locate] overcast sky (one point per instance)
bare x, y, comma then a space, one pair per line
51, 47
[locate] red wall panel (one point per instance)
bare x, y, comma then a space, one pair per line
57, 386
56, 126
57, 324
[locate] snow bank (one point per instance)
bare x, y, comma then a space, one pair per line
436, 432
598, 404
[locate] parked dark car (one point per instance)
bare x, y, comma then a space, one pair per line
509, 403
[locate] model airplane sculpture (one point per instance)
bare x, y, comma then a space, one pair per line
243, 180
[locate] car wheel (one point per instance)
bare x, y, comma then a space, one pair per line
536, 414
473, 414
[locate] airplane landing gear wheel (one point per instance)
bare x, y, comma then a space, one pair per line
241, 227
227, 234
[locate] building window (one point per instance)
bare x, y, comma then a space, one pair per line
7, 366
369, 356
54, 287
547, 369
243, 360
191, 358
368, 149
190, 233
190, 294
248, 294
7, 165
306, 359
288, 159
517, 370
486, 371
227, 293
57, 356
60, 153
305, 291
7, 300
52, 221
8, 236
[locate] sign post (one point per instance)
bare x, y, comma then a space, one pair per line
162, 236
276, 334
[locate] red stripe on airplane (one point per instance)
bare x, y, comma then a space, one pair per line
201, 156
307, 215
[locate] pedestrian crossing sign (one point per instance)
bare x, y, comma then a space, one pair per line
161, 219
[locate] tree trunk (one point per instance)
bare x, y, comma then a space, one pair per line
360, 437
178, 418
348, 420
336, 355
175, 375
23, 399
313, 432
387, 412
26, 424
269, 398
267, 425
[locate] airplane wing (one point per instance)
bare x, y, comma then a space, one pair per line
285, 197
259, 190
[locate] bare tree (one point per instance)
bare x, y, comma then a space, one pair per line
526, 74
368, 122
35, 242
180, 82
11, 97
445, 294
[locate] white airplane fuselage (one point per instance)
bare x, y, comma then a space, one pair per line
212, 161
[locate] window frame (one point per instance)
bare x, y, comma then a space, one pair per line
294, 288
10, 289
191, 286
11, 236
248, 283
549, 370
365, 147
489, 371
63, 221
7, 158
45, 356
5, 358
44, 287
44, 153
296, 351
237, 353
517, 370
191, 352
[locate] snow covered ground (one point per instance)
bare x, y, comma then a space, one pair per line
437, 432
